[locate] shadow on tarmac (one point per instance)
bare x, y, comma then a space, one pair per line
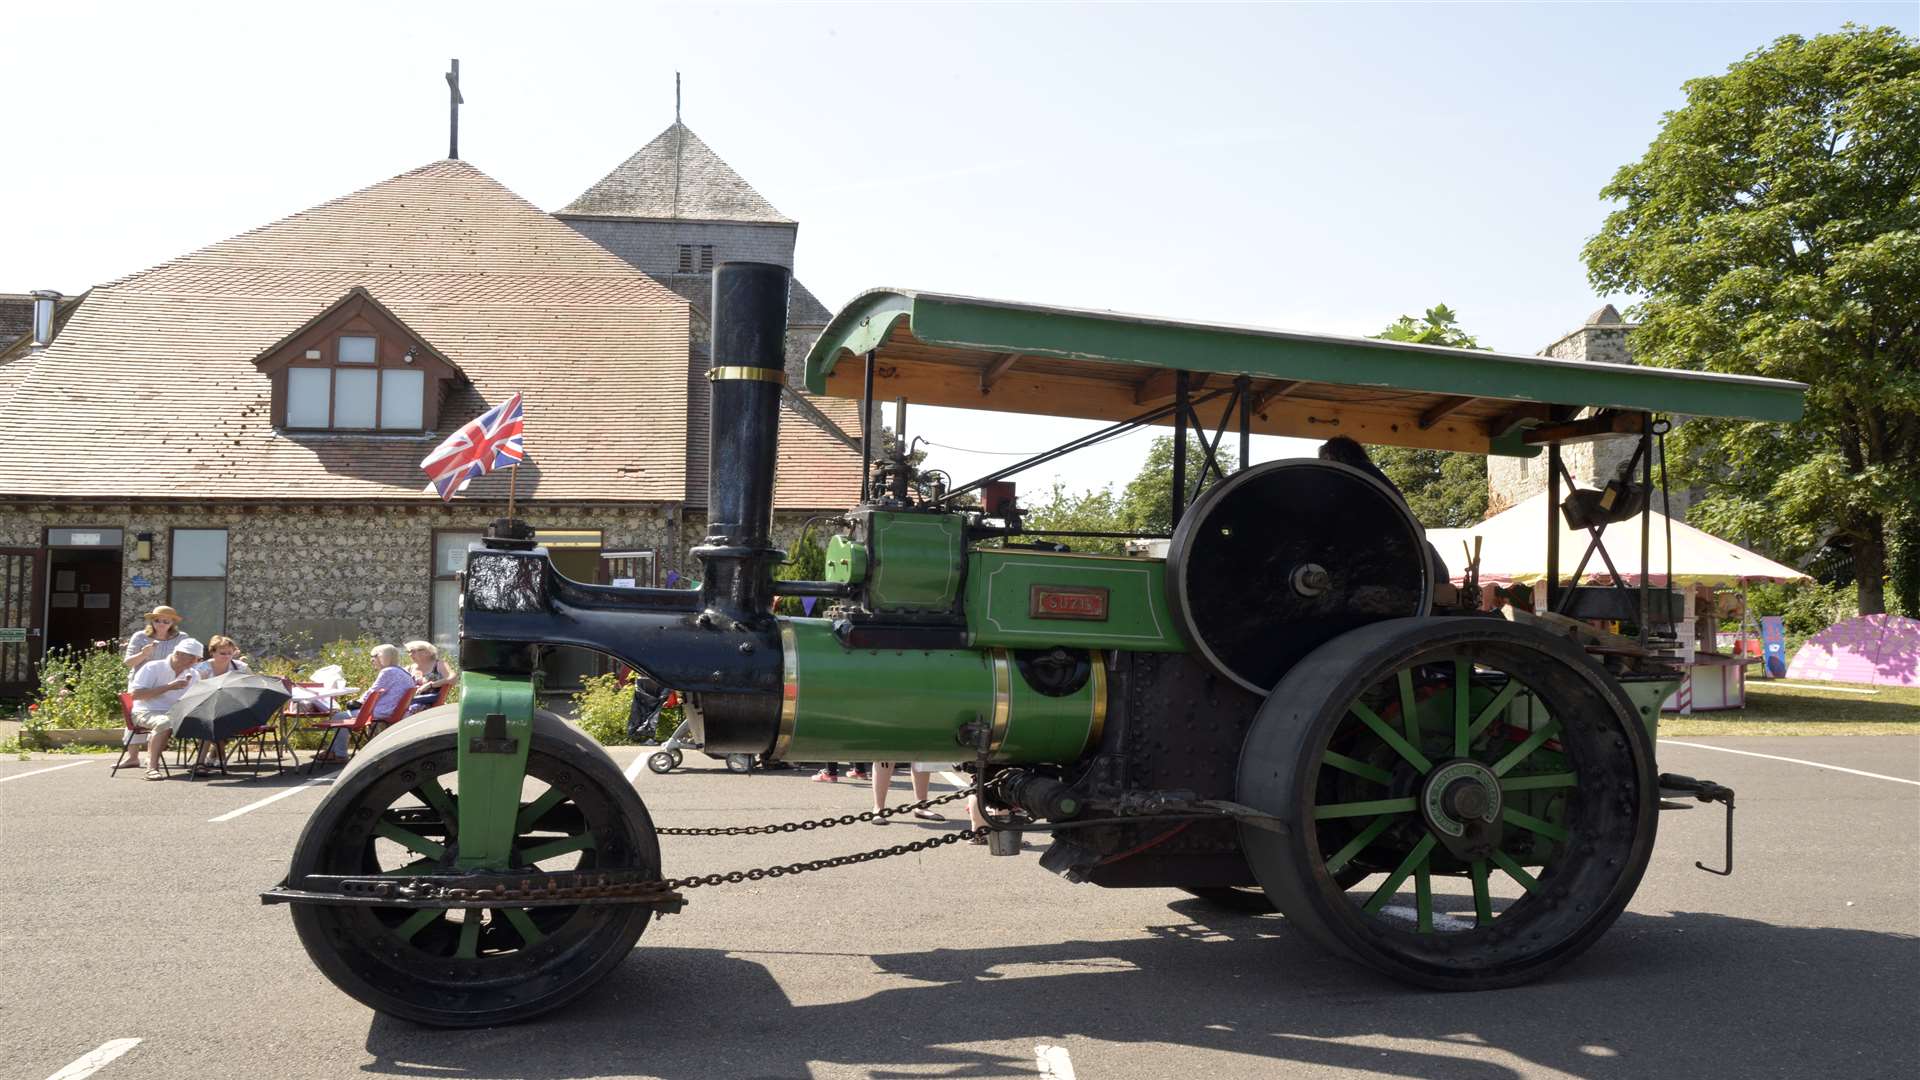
1684, 995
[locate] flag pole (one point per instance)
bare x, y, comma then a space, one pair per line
513, 475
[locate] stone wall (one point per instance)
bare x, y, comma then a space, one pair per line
1602, 340
653, 247
299, 575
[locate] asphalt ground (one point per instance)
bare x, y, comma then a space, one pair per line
127, 911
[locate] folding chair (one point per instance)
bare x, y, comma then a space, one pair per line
133, 731
270, 735
398, 714
355, 728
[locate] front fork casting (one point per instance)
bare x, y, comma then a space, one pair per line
496, 723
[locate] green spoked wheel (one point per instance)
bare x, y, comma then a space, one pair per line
393, 812
1495, 788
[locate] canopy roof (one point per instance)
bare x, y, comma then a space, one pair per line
970, 353
1513, 547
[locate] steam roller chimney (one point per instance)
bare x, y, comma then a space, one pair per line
749, 368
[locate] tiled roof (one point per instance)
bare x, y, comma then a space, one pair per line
149, 391
675, 176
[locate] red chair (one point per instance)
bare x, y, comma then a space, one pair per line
127, 744
355, 727
398, 714
271, 735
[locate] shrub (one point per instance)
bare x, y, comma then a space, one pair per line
79, 688
603, 705
353, 655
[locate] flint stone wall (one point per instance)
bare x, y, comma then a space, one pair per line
301, 575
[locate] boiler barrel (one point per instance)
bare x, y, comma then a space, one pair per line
842, 704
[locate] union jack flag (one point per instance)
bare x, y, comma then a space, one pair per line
490, 441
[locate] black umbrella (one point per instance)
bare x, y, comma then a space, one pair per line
226, 705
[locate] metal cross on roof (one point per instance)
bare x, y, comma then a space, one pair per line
453, 107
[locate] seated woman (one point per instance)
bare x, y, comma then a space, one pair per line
431, 673
393, 682
223, 658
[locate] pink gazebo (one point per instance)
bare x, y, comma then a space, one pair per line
1877, 649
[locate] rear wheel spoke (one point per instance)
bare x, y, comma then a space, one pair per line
1358, 844
1423, 898
1482, 900
1538, 782
1362, 809
1494, 708
1387, 889
537, 809
1409, 708
1391, 737
1527, 821
1462, 691
469, 945
1526, 748
1357, 767
1514, 870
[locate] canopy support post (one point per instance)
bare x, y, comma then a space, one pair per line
1242, 389
1645, 453
1553, 526
866, 425
1181, 406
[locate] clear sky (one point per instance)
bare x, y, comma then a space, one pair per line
1311, 166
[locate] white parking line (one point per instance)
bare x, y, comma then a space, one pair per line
96, 1059
269, 800
1053, 1062
959, 780
1794, 760
37, 772
639, 762
1822, 689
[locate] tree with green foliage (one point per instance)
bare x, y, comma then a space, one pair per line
806, 561
1773, 227
1144, 507
1444, 489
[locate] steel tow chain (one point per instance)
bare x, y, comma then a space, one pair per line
734, 877
822, 823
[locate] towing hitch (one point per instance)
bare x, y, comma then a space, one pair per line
1705, 791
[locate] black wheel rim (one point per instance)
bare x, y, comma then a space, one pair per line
476, 960
1498, 825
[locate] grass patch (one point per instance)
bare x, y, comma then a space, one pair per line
1779, 710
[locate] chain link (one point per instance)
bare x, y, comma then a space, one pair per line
735, 877
821, 823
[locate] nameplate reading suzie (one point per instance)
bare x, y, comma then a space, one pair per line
1067, 602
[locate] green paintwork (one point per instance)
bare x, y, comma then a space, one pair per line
1000, 582
910, 705
1001, 327
846, 561
490, 783
914, 560
1647, 697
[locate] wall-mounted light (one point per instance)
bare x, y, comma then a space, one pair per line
408, 358
143, 547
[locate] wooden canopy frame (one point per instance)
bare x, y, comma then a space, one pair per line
963, 352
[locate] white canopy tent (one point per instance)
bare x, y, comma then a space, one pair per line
1513, 548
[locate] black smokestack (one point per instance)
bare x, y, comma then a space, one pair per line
749, 368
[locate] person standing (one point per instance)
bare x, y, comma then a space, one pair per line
883, 783
156, 687
161, 635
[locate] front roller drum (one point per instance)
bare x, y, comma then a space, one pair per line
395, 810
1491, 787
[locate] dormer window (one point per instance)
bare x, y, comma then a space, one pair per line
356, 367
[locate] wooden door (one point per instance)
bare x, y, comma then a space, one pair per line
21, 638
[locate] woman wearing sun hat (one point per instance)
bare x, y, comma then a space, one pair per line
156, 641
